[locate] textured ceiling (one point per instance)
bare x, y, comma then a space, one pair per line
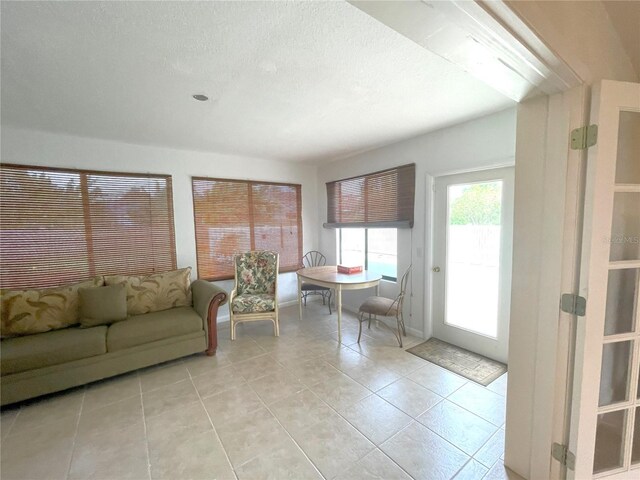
303, 81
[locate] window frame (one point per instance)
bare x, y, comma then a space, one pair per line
366, 253
282, 268
91, 262
390, 207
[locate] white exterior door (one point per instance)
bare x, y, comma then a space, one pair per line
473, 233
605, 412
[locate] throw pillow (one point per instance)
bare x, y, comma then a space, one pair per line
156, 292
25, 312
102, 305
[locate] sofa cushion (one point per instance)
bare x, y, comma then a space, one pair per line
156, 292
152, 327
25, 312
254, 303
51, 348
102, 305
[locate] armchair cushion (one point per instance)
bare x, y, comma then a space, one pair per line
254, 303
256, 273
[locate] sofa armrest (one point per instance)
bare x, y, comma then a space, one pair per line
207, 298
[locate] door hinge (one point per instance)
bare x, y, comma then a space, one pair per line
574, 304
563, 455
584, 137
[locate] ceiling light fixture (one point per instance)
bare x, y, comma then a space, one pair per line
200, 97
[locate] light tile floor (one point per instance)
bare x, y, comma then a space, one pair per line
297, 407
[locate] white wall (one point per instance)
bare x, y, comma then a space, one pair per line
54, 150
482, 143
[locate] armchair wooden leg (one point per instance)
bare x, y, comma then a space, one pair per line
276, 328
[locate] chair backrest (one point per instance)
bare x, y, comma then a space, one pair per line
403, 288
314, 259
256, 272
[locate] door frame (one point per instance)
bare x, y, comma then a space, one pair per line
494, 348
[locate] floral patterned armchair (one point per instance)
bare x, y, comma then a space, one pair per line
255, 295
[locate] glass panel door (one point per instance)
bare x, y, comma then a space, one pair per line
617, 405
606, 404
472, 253
473, 256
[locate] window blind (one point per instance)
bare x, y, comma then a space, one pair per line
60, 226
235, 216
377, 200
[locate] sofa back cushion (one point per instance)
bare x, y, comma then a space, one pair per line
156, 292
102, 305
25, 312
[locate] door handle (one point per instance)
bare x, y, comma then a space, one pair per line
436, 269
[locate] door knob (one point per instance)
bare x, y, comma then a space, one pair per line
436, 269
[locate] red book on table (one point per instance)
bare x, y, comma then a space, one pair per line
349, 269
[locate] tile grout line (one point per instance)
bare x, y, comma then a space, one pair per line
376, 447
402, 376
6, 435
287, 432
75, 433
305, 387
233, 470
415, 419
277, 420
440, 436
144, 426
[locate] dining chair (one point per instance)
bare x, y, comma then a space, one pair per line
255, 295
386, 307
315, 259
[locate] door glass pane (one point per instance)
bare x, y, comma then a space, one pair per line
474, 228
628, 166
625, 228
610, 432
615, 373
635, 450
621, 301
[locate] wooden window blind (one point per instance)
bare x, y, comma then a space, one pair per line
235, 216
60, 226
377, 200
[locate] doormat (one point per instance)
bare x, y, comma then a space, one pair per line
467, 364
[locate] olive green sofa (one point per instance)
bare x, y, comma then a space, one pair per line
42, 363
